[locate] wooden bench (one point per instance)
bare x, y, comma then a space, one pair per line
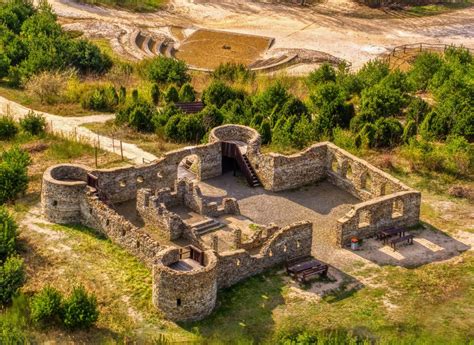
302, 269
306, 275
407, 238
384, 235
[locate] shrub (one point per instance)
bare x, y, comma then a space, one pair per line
8, 128
218, 94
47, 86
388, 133
372, 73
8, 228
265, 131
46, 305
14, 322
13, 173
33, 123
171, 95
186, 93
12, 277
323, 74
166, 70
381, 101
271, 101
417, 110
211, 117
102, 98
138, 115
423, 69
155, 94
187, 128
409, 131
80, 309
87, 57
233, 72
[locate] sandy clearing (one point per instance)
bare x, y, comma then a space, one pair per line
338, 27
72, 126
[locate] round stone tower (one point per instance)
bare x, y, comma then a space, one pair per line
182, 289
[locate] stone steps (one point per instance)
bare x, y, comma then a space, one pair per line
254, 180
206, 226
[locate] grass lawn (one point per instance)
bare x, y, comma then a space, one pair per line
131, 5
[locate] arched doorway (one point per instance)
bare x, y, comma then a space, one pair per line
190, 167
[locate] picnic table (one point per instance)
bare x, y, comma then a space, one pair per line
385, 235
303, 269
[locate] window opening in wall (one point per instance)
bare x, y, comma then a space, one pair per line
138, 244
383, 188
123, 232
397, 209
178, 302
366, 182
107, 222
159, 175
189, 167
349, 172
55, 203
298, 243
270, 253
140, 179
285, 248
237, 262
334, 165
122, 183
364, 219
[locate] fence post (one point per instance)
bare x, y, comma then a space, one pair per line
113, 144
121, 149
421, 46
51, 125
95, 155
98, 140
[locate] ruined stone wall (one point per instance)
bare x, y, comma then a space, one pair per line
397, 210
258, 238
99, 216
237, 133
303, 168
184, 296
121, 184
155, 212
289, 242
358, 177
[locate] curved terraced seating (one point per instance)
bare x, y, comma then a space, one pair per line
272, 63
145, 46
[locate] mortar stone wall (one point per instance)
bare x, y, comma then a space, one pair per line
184, 296
289, 242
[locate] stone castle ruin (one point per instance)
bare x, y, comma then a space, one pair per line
200, 228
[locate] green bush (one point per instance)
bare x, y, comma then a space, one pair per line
8, 128
46, 305
8, 228
34, 124
409, 131
171, 95
12, 277
138, 115
323, 74
187, 128
187, 93
14, 322
80, 309
13, 173
103, 98
424, 68
211, 117
372, 73
232, 72
218, 93
417, 110
155, 94
166, 70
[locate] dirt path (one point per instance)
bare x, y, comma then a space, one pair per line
72, 126
338, 27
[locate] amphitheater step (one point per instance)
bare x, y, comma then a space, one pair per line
206, 226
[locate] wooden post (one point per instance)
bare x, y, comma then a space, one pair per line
98, 140
113, 144
75, 133
121, 149
95, 154
51, 125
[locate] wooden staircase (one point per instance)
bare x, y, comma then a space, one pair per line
253, 178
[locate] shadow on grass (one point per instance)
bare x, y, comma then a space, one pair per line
244, 312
